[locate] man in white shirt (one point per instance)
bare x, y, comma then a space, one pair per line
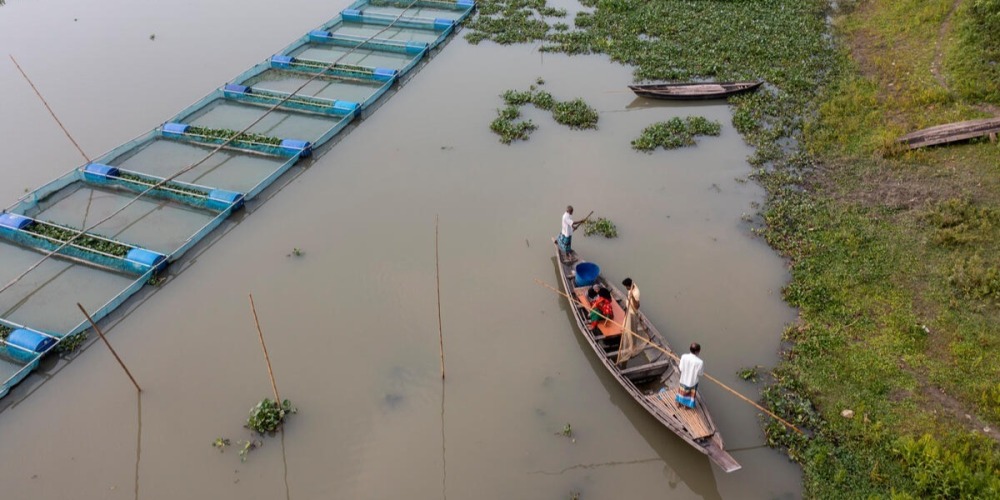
565, 239
691, 369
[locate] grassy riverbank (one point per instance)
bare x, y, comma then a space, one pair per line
893, 256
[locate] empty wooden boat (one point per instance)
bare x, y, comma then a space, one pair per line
952, 132
693, 91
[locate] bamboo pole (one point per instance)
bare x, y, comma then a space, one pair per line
267, 359
56, 118
437, 273
112, 349
674, 356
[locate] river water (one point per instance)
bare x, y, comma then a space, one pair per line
351, 323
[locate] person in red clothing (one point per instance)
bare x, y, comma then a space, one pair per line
601, 308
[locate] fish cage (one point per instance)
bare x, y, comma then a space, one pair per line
228, 169
264, 79
425, 10
377, 28
358, 63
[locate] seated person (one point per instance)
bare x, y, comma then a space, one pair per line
592, 295
601, 308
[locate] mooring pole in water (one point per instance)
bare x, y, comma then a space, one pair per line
267, 359
437, 274
674, 356
56, 118
112, 349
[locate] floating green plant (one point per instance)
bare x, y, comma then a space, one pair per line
72, 342
61, 235
226, 134
221, 443
601, 226
168, 186
4, 332
750, 373
267, 416
510, 131
675, 133
511, 21
247, 446
576, 114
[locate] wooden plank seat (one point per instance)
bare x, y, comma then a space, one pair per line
607, 328
648, 370
693, 419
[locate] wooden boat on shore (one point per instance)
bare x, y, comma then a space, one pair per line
650, 376
693, 91
952, 132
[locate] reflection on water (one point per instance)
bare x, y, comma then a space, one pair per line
352, 323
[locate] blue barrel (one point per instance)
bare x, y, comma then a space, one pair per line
27, 340
587, 273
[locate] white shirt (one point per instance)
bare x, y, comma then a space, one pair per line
691, 368
567, 225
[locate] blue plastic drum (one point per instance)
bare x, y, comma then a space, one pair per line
587, 273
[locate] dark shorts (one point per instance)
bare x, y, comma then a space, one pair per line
689, 389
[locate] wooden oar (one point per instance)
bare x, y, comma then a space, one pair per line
674, 356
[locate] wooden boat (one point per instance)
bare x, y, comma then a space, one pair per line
650, 377
952, 132
693, 91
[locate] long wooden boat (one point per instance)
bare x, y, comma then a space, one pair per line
650, 377
693, 91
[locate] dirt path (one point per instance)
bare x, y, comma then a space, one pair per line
938, 53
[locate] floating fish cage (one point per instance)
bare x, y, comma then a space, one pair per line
262, 79
457, 11
99, 233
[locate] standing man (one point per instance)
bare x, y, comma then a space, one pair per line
691, 369
629, 346
566, 235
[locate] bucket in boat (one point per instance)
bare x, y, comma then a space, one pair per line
587, 273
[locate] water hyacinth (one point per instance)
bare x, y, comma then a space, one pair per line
267, 416
675, 133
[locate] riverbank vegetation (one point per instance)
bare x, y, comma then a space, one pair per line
894, 362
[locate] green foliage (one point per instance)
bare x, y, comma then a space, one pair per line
168, 186
267, 416
72, 342
222, 134
959, 221
601, 226
247, 446
968, 470
512, 21
576, 114
750, 373
221, 444
510, 131
975, 59
4, 332
675, 133
61, 235
976, 278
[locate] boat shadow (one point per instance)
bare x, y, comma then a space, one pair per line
646, 103
681, 463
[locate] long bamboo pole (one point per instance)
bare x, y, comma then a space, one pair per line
437, 273
112, 349
674, 356
267, 359
53, 113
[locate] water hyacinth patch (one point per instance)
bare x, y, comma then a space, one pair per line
675, 133
267, 416
512, 21
226, 134
576, 113
169, 186
62, 235
601, 226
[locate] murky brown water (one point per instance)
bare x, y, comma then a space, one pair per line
352, 324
